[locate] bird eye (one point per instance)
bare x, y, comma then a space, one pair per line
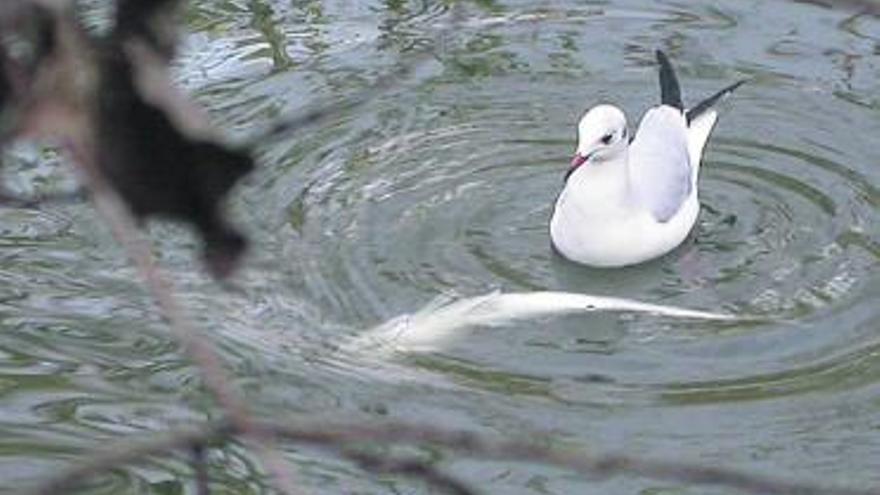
606, 139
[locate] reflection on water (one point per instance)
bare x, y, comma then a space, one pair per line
444, 185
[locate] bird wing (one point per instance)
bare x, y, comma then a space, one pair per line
664, 157
660, 168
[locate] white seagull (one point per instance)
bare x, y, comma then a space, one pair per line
626, 201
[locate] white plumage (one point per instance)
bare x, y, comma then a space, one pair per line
628, 202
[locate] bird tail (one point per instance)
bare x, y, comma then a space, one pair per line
701, 107
670, 90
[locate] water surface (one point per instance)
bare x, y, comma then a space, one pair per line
443, 186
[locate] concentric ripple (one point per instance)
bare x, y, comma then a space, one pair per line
447, 187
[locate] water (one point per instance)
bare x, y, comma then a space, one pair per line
443, 185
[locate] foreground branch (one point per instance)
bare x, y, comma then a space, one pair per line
199, 349
410, 468
341, 437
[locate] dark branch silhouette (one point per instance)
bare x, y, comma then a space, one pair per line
200, 466
342, 437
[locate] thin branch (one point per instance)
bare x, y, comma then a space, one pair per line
200, 467
126, 452
475, 445
870, 7
411, 468
340, 437
285, 126
32, 201
199, 349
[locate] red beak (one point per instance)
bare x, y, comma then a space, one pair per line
576, 162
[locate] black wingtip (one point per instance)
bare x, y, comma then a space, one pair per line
670, 91
701, 107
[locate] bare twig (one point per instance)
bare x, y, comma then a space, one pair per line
126, 452
411, 468
200, 466
199, 349
285, 126
871, 7
340, 437
61, 102
57, 198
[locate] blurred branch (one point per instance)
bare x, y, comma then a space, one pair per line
342, 437
199, 348
200, 466
112, 106
870, 7
410, 468
313, 116
285, 126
